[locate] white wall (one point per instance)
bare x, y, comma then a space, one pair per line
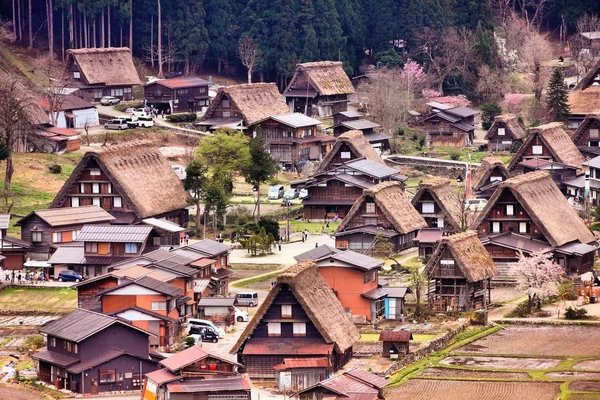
89, 114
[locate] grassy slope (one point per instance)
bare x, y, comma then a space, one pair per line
28, 298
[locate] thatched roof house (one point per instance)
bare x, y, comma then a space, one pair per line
549, 142
348, 146
137, 174
587, 136
313, 305
441, 192
504, 132
584, 99
488, 175
326, 77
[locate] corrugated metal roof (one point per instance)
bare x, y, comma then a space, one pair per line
191, 355
375, 294
350, 386
395, 336
161, 376
214, 384
67, 255
360, 124
296, 120
576, 248
137, 271
200, 285
55, 358
210, 247
463, 126
361, 261
351, 114
368, 377
72, 215
181, 82
395, 291
462, 112
317, 253
372, 168
163, 224
287, 346
429, 235
216, 302
515, 241
4, 221
203, 262
114, 233
78, 325
92, 362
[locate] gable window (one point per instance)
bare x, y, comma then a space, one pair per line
286, 311
96, 201
226, 114
36, 236
371, 221
345, 155
70, 346
428, 208
95, 188
225, 103
510, 209
57, 237
594, 143
77, 75
157, 93
495, 179
107, 376
53, 342
523, 227
501, 131
274, 328
594, 133
91, 247
109, 188
94, 172
496, 227
117, 203
370, 208
74, 201
159, 305
299, 329
131, 248
440, 222
537, 149
374, 276
447, 267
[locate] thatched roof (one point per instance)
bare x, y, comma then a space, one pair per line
318, 301
546, 205
326, 77
445, 196
584, 98
254, 101
394, 205
469, 254
558, 142
584, 125
110, 66
357, 143
509, 121
140, 173
487, 166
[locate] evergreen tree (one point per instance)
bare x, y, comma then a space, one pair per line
329, 30
489, 111
557, 100
221, 30
190, 34
261, 167
484, 46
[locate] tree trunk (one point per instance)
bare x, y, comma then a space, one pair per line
249, 74
86, 42
257, 200
152, 40
30, 27
94, 33
530, 300
14, 18
198, 216
108, 26
131, 26
159, 41
62, 35
102, 33
50, 21
71, 31
19, 17
9, 172
121, 35
441, 85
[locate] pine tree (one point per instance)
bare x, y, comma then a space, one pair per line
484, 46
557, 96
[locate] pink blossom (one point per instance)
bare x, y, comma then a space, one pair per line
513, 102
430, 93
460, 101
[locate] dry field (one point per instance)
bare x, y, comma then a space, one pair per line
463, 373
427, 389
501, 362
582, 386
16, 393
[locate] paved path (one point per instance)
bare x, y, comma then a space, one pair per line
26, 321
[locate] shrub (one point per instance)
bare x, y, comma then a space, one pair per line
271, 226
567, 287
55, 168
400, 131
515, 146
239, 215
454, 155
185, 117
576, 313
190, 341
489, 111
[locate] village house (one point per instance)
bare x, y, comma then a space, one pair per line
199, 374
213, 260
132, 181
99, 72
347, 147
319, 89
353, 384
220, 310
385, 212
13, 251
576, 187
527, 213
395, 343
177, 95
295, 374
353, 277
49, 139
488, 176
505, 133
584, 99
242, 106
591, 43
49, 229
70, 111
345, 121
299, 318
92, 353
170, 233
452, 127
587, 137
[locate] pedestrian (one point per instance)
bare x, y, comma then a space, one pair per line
306, 233
327, 227
13, 277
6, 278
279, 244
181, 237
187, 239
316, 245
19, 278
47, 277
162, 113
303, 237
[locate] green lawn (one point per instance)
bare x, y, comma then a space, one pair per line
62, 300
311, 227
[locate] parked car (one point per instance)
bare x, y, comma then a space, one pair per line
131, 121
291, 194
275, 192
203, 323
197, 338
141, 112
173, 75
303, 194
69, 276
129, 110
475, 204
142, 122
117, 123
241, 315
206, 333
109, 101
247, 299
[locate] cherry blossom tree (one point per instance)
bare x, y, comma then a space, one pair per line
513, 102
537, 276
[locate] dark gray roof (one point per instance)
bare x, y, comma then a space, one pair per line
210, 247
216, 302
396, 291
376, 136
360, 124
369, 229
157, 255
355, 180
462, 112
579, 182
68, 255
576, 248
317, 253
444, 116
92, 362
4, 221
371, 168
359, 260
159, 286
515, 241
594, 162
233, 383
463, 126
114, 233
296, 120
55, 358
351, 114
375, 294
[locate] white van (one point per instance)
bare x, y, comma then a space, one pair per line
204, 323
144, 122
247, 299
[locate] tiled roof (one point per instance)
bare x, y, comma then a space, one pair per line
72, 215
114, 233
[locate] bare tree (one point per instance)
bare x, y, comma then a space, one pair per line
579, 45
532, 11
536, 50
491, 84
86, 129
159, 41
56, 77
249, 53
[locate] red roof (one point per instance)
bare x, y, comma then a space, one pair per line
63, 131
536, 163
351, 387
182, 82
395, 336
190, 356
368, 377
316, 138
290, 363
212, 384
161, 376
287, 346
203, 262
429, 235
66, 102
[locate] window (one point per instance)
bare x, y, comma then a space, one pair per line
594, 143
306, 132
374, 276
573, 124
157, 93
159, 305
495, 179
96, 201
182, 92
117, 203
57, 237
77, 75
226, 114
82, 188
91, 247
286, 311
299, 329
523, 227
98, 94
510, 209
127, 90
274, 328
109, 188
371, 221
496, 227
116, 92
501, 131
107, 376
53, 342
70, 346
428, 208
345, 155
440, 222
447, 267
594, 133
537, 149
36, 236
94, 172
223, 260
74, 201
225, 103
367, 278
95, 188
130, 248
370, 208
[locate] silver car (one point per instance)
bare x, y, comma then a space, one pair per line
117, 123
109, 101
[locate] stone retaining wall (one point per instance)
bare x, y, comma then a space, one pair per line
432, 166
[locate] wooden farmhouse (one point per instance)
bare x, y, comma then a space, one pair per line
459, 272
242, 106
590, 42
71, 111
13, 251
440, 205
177, 95
504, 133
319, 89
528, 213
295, 374
488, 176
345, 121
382, 211
587, 136
395, 343
131, 181
352, 384
99, 72
584, 99
576, 187
452, 127
299, 318
347, 147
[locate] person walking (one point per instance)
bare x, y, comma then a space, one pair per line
13, 277
187, 239
279, 244
19, 278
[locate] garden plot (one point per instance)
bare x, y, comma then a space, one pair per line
574, 375
501, 362
465, 373
591, 365
583, 386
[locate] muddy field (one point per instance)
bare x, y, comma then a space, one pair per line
13, 393
574, 375
463, 373
539, 341
426, 389
501, 362
582, 386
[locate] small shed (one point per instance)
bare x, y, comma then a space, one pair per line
395, 301
217, 309
395, 342
296, 374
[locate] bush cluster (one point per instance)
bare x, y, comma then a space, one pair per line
185, 117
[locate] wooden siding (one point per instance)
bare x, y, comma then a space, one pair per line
585, 139
86, 295
439, 132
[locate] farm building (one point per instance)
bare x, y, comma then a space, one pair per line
440, 205
54, 140
587, 136
504, 133
488, 176
319, 89
347, 147
395, 343
295, 374
451, 127
318, 326
13, 251
178, 95
395, 301
459, 273
345, 121
352, 384
70, 111
576, 187
584, 99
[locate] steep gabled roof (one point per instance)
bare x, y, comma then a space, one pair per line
318, 301
191, 355
357, 143
557, 141
139, 172
445, 196
584, 99
483, 172
394, 205
509, 121
469, 254
326, 77
584, 125
149, 283
546, 205
71, 215
110, 66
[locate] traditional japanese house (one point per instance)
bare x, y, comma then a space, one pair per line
587, 137
353, 384
383, 211
459, 273
584, 99
395, 343
488, 176
319, 89
590, 43
99, 72
528, 210
504, 133
70, 111
353, 277
576, 187
347, 147
131, 181
181, 94
13, 251
345, 121
51, 228
241, 106
295, 374
452, 127
440, 205
91, 353
549, 143
299, 318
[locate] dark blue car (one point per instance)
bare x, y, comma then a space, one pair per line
69, 276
